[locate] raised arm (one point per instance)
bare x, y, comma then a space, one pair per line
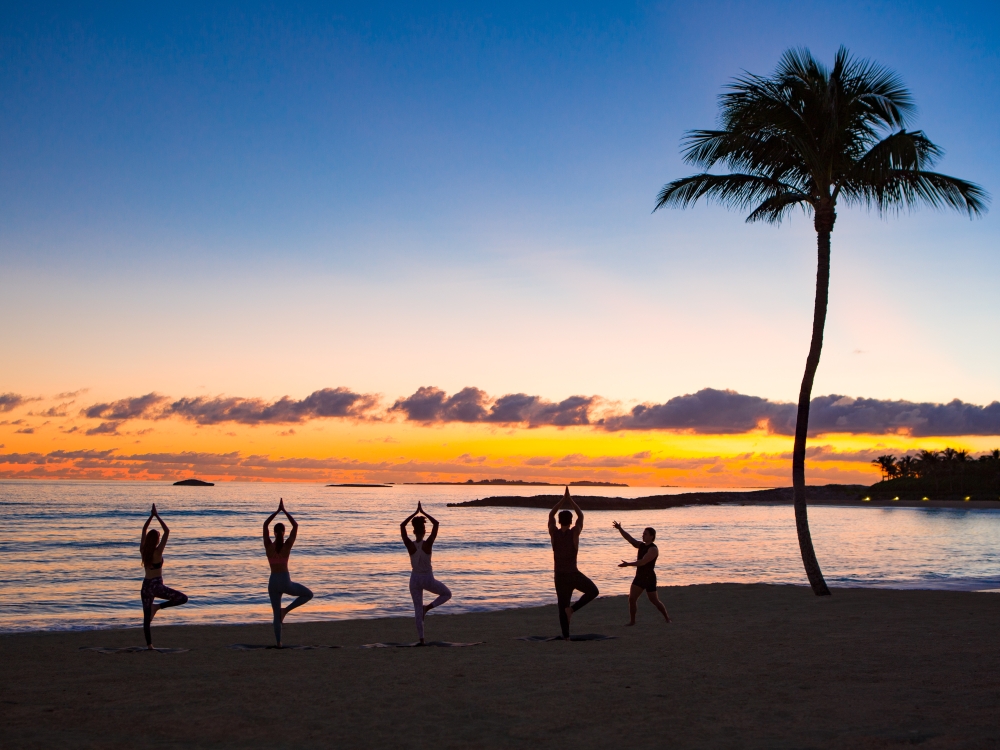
166, 532
267, 529
628, 537
552, 513
293, 534
145, 527
434, 528
410, 546
578, 526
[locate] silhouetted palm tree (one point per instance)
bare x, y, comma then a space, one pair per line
887, 464
809, 137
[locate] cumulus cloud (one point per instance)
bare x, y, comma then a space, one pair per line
10, 401
433, 405
708, 411
105, 428
713, 411
127, 408
873, 416
328, 402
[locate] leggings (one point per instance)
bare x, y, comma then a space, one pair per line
565, 584
153, 588
419, 583
281, 583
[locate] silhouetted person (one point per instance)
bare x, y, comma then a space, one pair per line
151, 548
645, 573
422, 575
565, 545
280, 581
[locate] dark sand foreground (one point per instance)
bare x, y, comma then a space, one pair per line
741, 667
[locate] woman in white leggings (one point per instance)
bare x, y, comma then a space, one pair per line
422, 577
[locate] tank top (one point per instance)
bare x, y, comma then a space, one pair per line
420, 561
564, 550
643, 549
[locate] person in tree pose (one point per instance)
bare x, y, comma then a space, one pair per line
645, 574
565, 545
151, 546
280, 581
422, 575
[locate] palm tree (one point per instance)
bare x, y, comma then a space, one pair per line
809, 137
907, 466
887, 464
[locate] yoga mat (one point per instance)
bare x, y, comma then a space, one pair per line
259, 647
581, 637
133, 650
416, 644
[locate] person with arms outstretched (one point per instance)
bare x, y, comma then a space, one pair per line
645, 573
151, 546
422, 574
565, 546
280, 581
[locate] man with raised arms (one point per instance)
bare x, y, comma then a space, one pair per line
565, 545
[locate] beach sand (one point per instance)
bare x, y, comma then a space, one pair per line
742, 666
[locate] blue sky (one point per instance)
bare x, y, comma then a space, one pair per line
269, 200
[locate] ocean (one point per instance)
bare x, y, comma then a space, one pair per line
69, 551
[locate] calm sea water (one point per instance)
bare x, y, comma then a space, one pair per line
69, 550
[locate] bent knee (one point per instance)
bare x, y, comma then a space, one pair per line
182, 599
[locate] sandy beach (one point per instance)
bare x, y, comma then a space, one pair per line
741, 666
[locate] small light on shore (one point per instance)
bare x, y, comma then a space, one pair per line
866, 499
968, 499
895, 499
926, 499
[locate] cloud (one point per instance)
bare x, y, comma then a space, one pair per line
711, 411
708, 411
105, 428
126, 408
325, 403
70, 394
432, 405
872, 416
26, 431
10, 401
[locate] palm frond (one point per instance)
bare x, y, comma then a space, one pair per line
909, 188
735, 190
773, 210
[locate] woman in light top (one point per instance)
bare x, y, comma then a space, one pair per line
151, 546
280, 581
645, 573
422, 576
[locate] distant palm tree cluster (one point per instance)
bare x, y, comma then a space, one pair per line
950, 470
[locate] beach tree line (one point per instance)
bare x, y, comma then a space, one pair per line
949, 470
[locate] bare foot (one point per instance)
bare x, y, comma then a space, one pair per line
149, 647
667, 618
153, 609
284, 611
421, 642
569, 614
629, 624
427, 608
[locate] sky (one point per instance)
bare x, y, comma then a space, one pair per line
418, 211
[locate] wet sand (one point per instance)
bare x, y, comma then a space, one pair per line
742, 666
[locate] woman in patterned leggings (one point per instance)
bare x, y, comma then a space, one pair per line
151, 548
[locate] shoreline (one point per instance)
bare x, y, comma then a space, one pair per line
264, 621
742, 665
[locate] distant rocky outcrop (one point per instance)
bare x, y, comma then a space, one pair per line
193, 483
827, 494
359, 485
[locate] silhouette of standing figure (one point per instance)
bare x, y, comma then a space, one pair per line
280, 581
151, 546
422, 576
565, 545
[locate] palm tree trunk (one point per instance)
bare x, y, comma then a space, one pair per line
824, 226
